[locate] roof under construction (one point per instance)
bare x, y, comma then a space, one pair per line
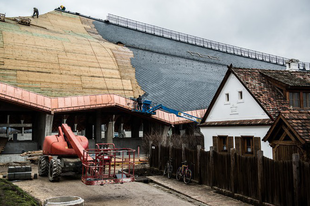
63, 54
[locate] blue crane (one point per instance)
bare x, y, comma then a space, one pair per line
147, 109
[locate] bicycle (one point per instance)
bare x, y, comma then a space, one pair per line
184, 172
168, 168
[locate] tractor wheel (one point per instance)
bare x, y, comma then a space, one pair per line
43, 166
54, 171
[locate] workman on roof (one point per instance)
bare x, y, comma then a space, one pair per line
62, 8
35, 12
139, 100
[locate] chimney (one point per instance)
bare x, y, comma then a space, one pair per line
292, 65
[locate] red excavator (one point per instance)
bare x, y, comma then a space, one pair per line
67, 152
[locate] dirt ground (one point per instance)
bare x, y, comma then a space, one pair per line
136, 193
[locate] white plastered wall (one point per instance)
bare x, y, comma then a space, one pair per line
246, 108
235, 109
237, 131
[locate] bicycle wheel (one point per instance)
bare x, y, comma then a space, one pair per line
187, 176
169, 172
178, 174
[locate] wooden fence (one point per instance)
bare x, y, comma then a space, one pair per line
255, 179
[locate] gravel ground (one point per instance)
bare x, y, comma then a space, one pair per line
136, 193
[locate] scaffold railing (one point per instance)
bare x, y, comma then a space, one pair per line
209, 44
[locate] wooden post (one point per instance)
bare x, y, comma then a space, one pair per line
260, 176
170, 150
183, 152
159, 160
296, 176
211, 165
150, 149
198, 161
232, 169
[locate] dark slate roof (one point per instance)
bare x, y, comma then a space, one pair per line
267, 95
290, 78
176, 74
300, 122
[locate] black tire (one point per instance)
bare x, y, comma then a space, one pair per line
43, 166
178, 174
54, 171
187, 176
169, 172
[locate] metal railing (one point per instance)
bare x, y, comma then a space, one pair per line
178, 36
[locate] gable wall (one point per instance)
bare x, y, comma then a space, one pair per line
235, 109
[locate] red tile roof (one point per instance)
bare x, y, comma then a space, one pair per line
266, 94
300, 122
289, 78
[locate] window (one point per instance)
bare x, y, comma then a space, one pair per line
294, 99
247, 145
227, 97
222, 143
306, 98
240, 95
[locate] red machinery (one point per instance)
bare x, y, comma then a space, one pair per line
67, 152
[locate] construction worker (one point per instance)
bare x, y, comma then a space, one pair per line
35, 12
62, 8
139, 100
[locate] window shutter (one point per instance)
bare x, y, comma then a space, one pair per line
238, 145
256, 145
215, 143
230, 143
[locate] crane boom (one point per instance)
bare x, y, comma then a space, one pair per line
173, 111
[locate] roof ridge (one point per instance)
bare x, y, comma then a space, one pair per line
194, 40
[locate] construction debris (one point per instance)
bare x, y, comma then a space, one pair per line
23, 20
33, 156
2, 17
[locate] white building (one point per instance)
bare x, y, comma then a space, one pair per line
244, 108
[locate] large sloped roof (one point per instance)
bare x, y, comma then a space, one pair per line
61, 54
179, 75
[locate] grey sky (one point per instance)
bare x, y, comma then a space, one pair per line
279, 27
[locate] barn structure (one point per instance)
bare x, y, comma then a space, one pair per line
68, 67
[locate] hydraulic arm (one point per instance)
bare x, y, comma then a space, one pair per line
177, 113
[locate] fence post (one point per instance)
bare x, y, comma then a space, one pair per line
260, 155
170, 150
159, 160
150, 149
232, 169
198, 162
296, 176
211, 166
183, 152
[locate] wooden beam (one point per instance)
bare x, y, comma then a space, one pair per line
278, 142
289, 133
16, 125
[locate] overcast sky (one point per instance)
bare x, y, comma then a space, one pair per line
279, 27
